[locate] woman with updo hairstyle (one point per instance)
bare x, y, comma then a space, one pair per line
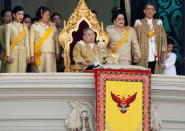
17, 43
27, 20
123, 40
56, 18
44, 42
6, 18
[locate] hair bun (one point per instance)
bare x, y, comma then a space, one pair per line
115, 12
114, 9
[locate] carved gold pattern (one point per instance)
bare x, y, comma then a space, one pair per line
81, 13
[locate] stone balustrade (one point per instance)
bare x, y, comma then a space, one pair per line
40, 102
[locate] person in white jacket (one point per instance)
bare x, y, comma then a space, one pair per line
169, 64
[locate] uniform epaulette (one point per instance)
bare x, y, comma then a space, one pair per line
137, 22
81, 42
159, 22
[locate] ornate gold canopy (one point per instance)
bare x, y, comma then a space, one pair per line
81, 13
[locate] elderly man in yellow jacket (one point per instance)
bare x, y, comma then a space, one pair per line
87, 52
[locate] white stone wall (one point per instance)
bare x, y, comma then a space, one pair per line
39, 102
168, 92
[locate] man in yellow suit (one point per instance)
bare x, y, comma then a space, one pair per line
152, 39
87, 52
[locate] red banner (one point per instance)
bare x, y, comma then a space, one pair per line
123, 100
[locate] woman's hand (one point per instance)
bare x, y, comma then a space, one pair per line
136, 58
163, 66
57, 58
28, 60
9, 59
32, 60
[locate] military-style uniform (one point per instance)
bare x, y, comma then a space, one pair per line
48, 50
128, 49
153, 42
21, 51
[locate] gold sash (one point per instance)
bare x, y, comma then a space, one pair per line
37, 47
121, 42
17, 40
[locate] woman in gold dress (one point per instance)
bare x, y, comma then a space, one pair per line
27, 20
17, 43
123, 40
44, 42
56, 18
6, 17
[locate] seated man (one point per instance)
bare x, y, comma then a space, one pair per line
87, 52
